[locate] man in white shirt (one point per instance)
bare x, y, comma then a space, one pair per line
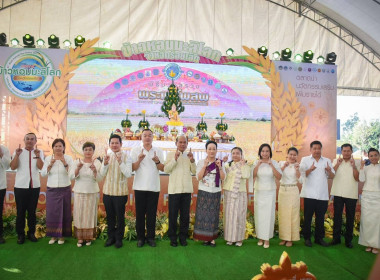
180, 165
116, 168
28, 162
315, 170
345, 192
5, 159
147, 162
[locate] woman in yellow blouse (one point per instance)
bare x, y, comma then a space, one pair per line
235, 198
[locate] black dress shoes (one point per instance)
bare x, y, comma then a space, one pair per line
109, 242
173, 243
21, 239
183, 242
308, 243
140, 243
335, 242
32, 238
349, 245
322, 243
151, 243
118, 244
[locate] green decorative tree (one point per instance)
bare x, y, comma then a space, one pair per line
221, 126
126, 122
143, 124
172, 97
202, 125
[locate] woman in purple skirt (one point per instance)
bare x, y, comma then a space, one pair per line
58, 194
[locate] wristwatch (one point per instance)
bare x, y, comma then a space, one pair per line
158, 162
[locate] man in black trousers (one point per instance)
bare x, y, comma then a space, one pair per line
315, 170
345, 192
28, 162
180, 165
147, 162
116, 168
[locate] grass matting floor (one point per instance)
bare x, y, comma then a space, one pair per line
43, 261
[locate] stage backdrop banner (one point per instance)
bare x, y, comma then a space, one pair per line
314, 86
83, 94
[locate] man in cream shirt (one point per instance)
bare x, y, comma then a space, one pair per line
116, 168
5, 159
180, 165
345, 192
315, 170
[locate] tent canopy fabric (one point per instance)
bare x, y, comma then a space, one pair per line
221, 24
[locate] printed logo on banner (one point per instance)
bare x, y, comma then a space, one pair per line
29, 73
172, 71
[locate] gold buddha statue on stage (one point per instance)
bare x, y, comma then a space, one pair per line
174, 117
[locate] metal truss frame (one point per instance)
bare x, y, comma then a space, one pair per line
9, 3
304, 8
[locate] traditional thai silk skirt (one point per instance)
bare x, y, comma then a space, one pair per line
85, 215
289, 212
58, 212
235, 214
265, 208
206, 226
370, 219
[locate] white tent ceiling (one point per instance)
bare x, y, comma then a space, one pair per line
221, 24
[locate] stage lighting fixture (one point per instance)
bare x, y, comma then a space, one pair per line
330, 58
40, 43
53, 42
28, 41
3, 40
107, 44
230, 52
298, 58
263, 51
320, 59
286, 54
15, 42
276, 55
308, 56
67, 44
79, 41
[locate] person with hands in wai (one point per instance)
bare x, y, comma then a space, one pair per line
370, 203
58, 193
28, 161
5, 159
147, 162
235, 198
289, 199
345, 191
210, 175
181, 166
116, 168
86, 173
265, 172
315, 170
